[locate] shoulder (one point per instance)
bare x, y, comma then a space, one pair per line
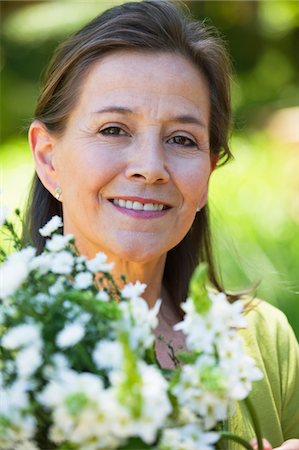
271, 341
268, 322
269, 328
259, 311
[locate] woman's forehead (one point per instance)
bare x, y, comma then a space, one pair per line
129, 65
131, 79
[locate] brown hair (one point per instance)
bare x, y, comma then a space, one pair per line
150, 26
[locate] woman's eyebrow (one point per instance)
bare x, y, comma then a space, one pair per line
181, 118
187, 118
114, 109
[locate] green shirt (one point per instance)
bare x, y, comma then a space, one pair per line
270, 340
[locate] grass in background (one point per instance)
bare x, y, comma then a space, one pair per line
255, 215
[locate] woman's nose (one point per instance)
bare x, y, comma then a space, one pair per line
147, 162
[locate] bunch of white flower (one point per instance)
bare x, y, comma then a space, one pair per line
221, 373
137, 318
79, 367
82, 410
92, 416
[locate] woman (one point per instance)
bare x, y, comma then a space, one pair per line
132, 119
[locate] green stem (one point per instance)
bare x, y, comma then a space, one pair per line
233, 437
255, 421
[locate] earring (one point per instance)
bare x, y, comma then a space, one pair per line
58, 192
197, 210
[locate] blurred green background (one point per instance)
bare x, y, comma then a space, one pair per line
255, 198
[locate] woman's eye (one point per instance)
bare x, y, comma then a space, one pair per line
182, 140
113, 131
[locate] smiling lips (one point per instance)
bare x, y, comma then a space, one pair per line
144, 205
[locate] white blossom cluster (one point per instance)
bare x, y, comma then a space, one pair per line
82, 360
91, 416
222, 373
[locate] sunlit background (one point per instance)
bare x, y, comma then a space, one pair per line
255, 198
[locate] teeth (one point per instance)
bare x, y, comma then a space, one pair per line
138, 206
128, 204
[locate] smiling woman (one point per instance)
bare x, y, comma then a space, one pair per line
133, 117
126, 95
126, 165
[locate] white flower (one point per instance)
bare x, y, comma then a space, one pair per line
203, 388
188, 437
42, 262
14, 271
57, 287
231, 313
58, 242
62, 263
51, 226
108, 355
70, 382
14, 401
83, 411
28, 360
84, 318
83, 280
155, 405
139, 321
80, 263
203, 331
59, 363
98, 264
103, 296
199, 330
21, 336
239, 368
70, 335
133, 290
14, 398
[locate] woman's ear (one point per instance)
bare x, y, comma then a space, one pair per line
204, 197
42, 145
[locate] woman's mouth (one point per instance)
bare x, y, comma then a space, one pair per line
138, 206
145, 207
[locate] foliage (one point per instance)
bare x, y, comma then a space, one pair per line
262, 36
255, 215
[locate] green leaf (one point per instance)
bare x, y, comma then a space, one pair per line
226, 435
136, 444
129, 393
198, 291
186, 357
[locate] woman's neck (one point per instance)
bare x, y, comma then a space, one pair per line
150, 273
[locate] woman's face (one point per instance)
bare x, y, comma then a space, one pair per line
134, 162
